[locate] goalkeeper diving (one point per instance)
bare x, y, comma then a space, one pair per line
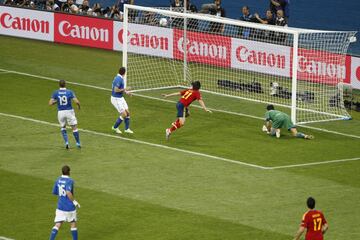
275, 120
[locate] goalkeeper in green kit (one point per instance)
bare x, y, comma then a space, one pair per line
275, 120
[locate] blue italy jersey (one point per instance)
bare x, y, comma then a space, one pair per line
119, 83
63, 98
62, 185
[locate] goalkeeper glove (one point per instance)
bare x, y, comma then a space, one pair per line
264, 129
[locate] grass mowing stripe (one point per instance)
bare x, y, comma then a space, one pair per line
169, 101
315, 163
141, 142
186, 151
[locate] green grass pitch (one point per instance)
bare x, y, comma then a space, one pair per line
143, 187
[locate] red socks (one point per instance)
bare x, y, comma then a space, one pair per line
175, 125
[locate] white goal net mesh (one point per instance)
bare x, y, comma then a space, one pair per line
244, 60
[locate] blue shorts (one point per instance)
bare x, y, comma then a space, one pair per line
180, 110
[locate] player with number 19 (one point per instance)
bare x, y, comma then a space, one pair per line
66, 113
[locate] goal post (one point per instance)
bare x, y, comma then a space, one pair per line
300, 69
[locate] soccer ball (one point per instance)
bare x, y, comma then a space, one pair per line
163, 22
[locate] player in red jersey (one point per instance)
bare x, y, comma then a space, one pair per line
314, 221
188, 96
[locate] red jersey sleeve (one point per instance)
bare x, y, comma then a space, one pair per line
183, 92
197, 95
304, 221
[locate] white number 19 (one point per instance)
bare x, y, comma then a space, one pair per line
63, 100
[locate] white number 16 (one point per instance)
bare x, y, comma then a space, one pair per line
62, 191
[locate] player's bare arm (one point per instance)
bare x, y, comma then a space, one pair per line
71, 197
171, 94
77, 102
203, 106
299, 233
52, 101
325, 228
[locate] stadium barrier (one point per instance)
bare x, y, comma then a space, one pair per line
168, 43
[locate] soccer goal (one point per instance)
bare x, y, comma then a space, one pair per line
299, 69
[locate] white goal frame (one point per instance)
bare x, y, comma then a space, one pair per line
295, 32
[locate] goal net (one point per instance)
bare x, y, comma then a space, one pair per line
302, 70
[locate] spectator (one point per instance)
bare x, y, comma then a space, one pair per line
177, 6
120, 5
192, 23
79, 2
95, 10
60, 3
70, 7
115, 13
133, 14
84, 8
269, 19
177, 3
218, 11
247, 17
280, 19
51, 6
283, 5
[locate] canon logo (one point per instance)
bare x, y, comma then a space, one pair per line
321, 68
25, 24
203, 49
145, 40
243, 54
83, 32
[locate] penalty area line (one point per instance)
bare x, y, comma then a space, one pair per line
140, 142
170, 101
315, 163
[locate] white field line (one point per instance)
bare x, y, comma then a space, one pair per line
170, 101
182, 150
315, 163
333, 132
139, 142
5, 238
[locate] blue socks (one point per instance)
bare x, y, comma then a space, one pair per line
54, 232
64, 135
74, 233
77, 137
127, 122
118, 122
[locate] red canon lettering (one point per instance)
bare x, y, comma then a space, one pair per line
25, 24
243, 54
145, 40
203, 49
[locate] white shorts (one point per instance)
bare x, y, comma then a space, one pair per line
62, 216
67, 117
120, 104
